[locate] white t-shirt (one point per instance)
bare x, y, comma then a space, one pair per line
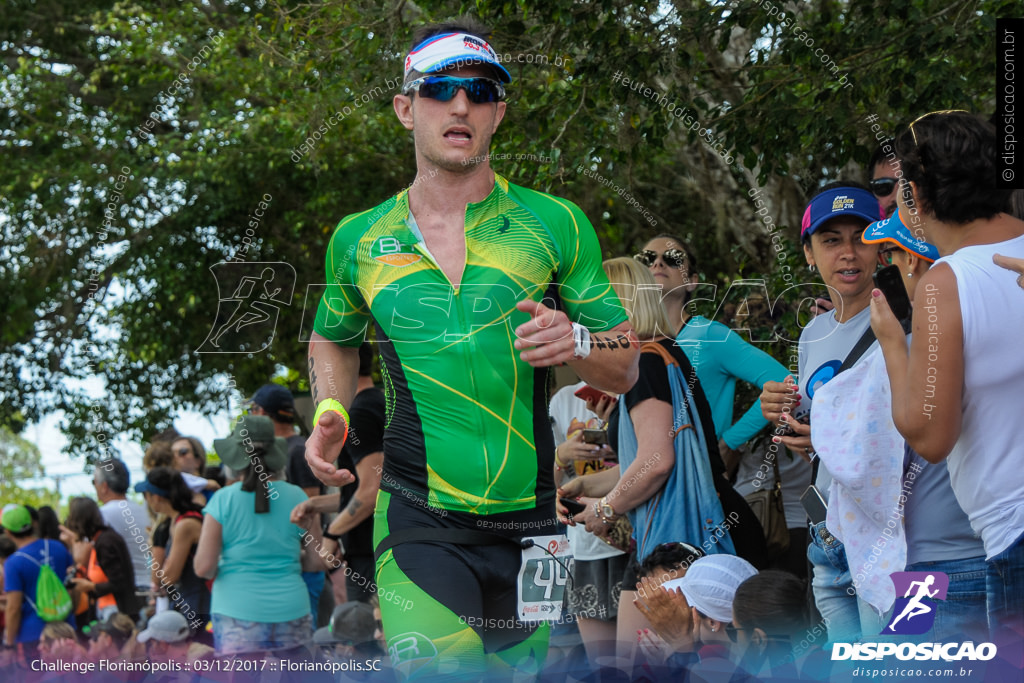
569, 413
130, 520
986, 466
824, 345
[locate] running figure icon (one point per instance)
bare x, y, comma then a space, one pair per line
915, 607
250, 296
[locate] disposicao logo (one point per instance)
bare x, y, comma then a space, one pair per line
912, 615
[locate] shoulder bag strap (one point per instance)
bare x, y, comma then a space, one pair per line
655, 347
865, 341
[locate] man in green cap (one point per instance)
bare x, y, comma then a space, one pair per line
21, 571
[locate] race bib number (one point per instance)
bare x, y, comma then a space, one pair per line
542, 578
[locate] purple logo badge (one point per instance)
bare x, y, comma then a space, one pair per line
914, 612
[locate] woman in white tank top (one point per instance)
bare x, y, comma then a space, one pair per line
957, 390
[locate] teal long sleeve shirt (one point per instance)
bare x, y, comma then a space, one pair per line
720, 357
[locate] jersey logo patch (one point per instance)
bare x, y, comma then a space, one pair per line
504, 225
391, 252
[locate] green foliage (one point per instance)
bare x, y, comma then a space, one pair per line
130, 299
20, 460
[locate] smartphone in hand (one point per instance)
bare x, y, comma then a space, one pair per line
589, 393
888, 280
572, 506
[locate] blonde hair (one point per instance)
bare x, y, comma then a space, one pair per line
158, 454
640, 296
58, 630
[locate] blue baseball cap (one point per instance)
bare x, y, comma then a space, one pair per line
146, 486
276, 400
894, 229
840, 201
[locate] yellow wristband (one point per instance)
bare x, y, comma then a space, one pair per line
558, 460
330, 404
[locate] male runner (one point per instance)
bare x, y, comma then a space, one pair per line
476, 287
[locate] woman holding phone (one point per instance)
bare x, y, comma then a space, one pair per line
636, 486
592, 597
860, 446
831, 235
956, 389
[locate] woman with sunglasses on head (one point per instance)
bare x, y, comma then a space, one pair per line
720, 357
831, 234
956, 389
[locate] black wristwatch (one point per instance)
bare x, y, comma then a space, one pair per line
10, 646
333, 537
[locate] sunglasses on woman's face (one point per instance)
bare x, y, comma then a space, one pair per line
444, 88
882, 187
673, 258
885, 256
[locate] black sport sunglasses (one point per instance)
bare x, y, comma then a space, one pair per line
673, 258
479, 90
881, 187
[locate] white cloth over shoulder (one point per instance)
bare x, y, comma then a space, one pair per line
194, 482
854, 435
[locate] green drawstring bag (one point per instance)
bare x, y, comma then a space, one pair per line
53, 603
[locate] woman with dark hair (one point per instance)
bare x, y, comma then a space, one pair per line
251, 549
769, 614
109, 574
963, 348
190, 460
107, 639
49, 523
167, 494
189, 456
831, 230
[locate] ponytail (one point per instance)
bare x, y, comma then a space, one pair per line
256, 477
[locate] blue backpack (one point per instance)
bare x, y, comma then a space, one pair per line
687, 507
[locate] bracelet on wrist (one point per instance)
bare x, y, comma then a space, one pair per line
330, 404
558, 462
333, 537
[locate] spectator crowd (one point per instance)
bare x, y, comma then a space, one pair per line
709, 538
